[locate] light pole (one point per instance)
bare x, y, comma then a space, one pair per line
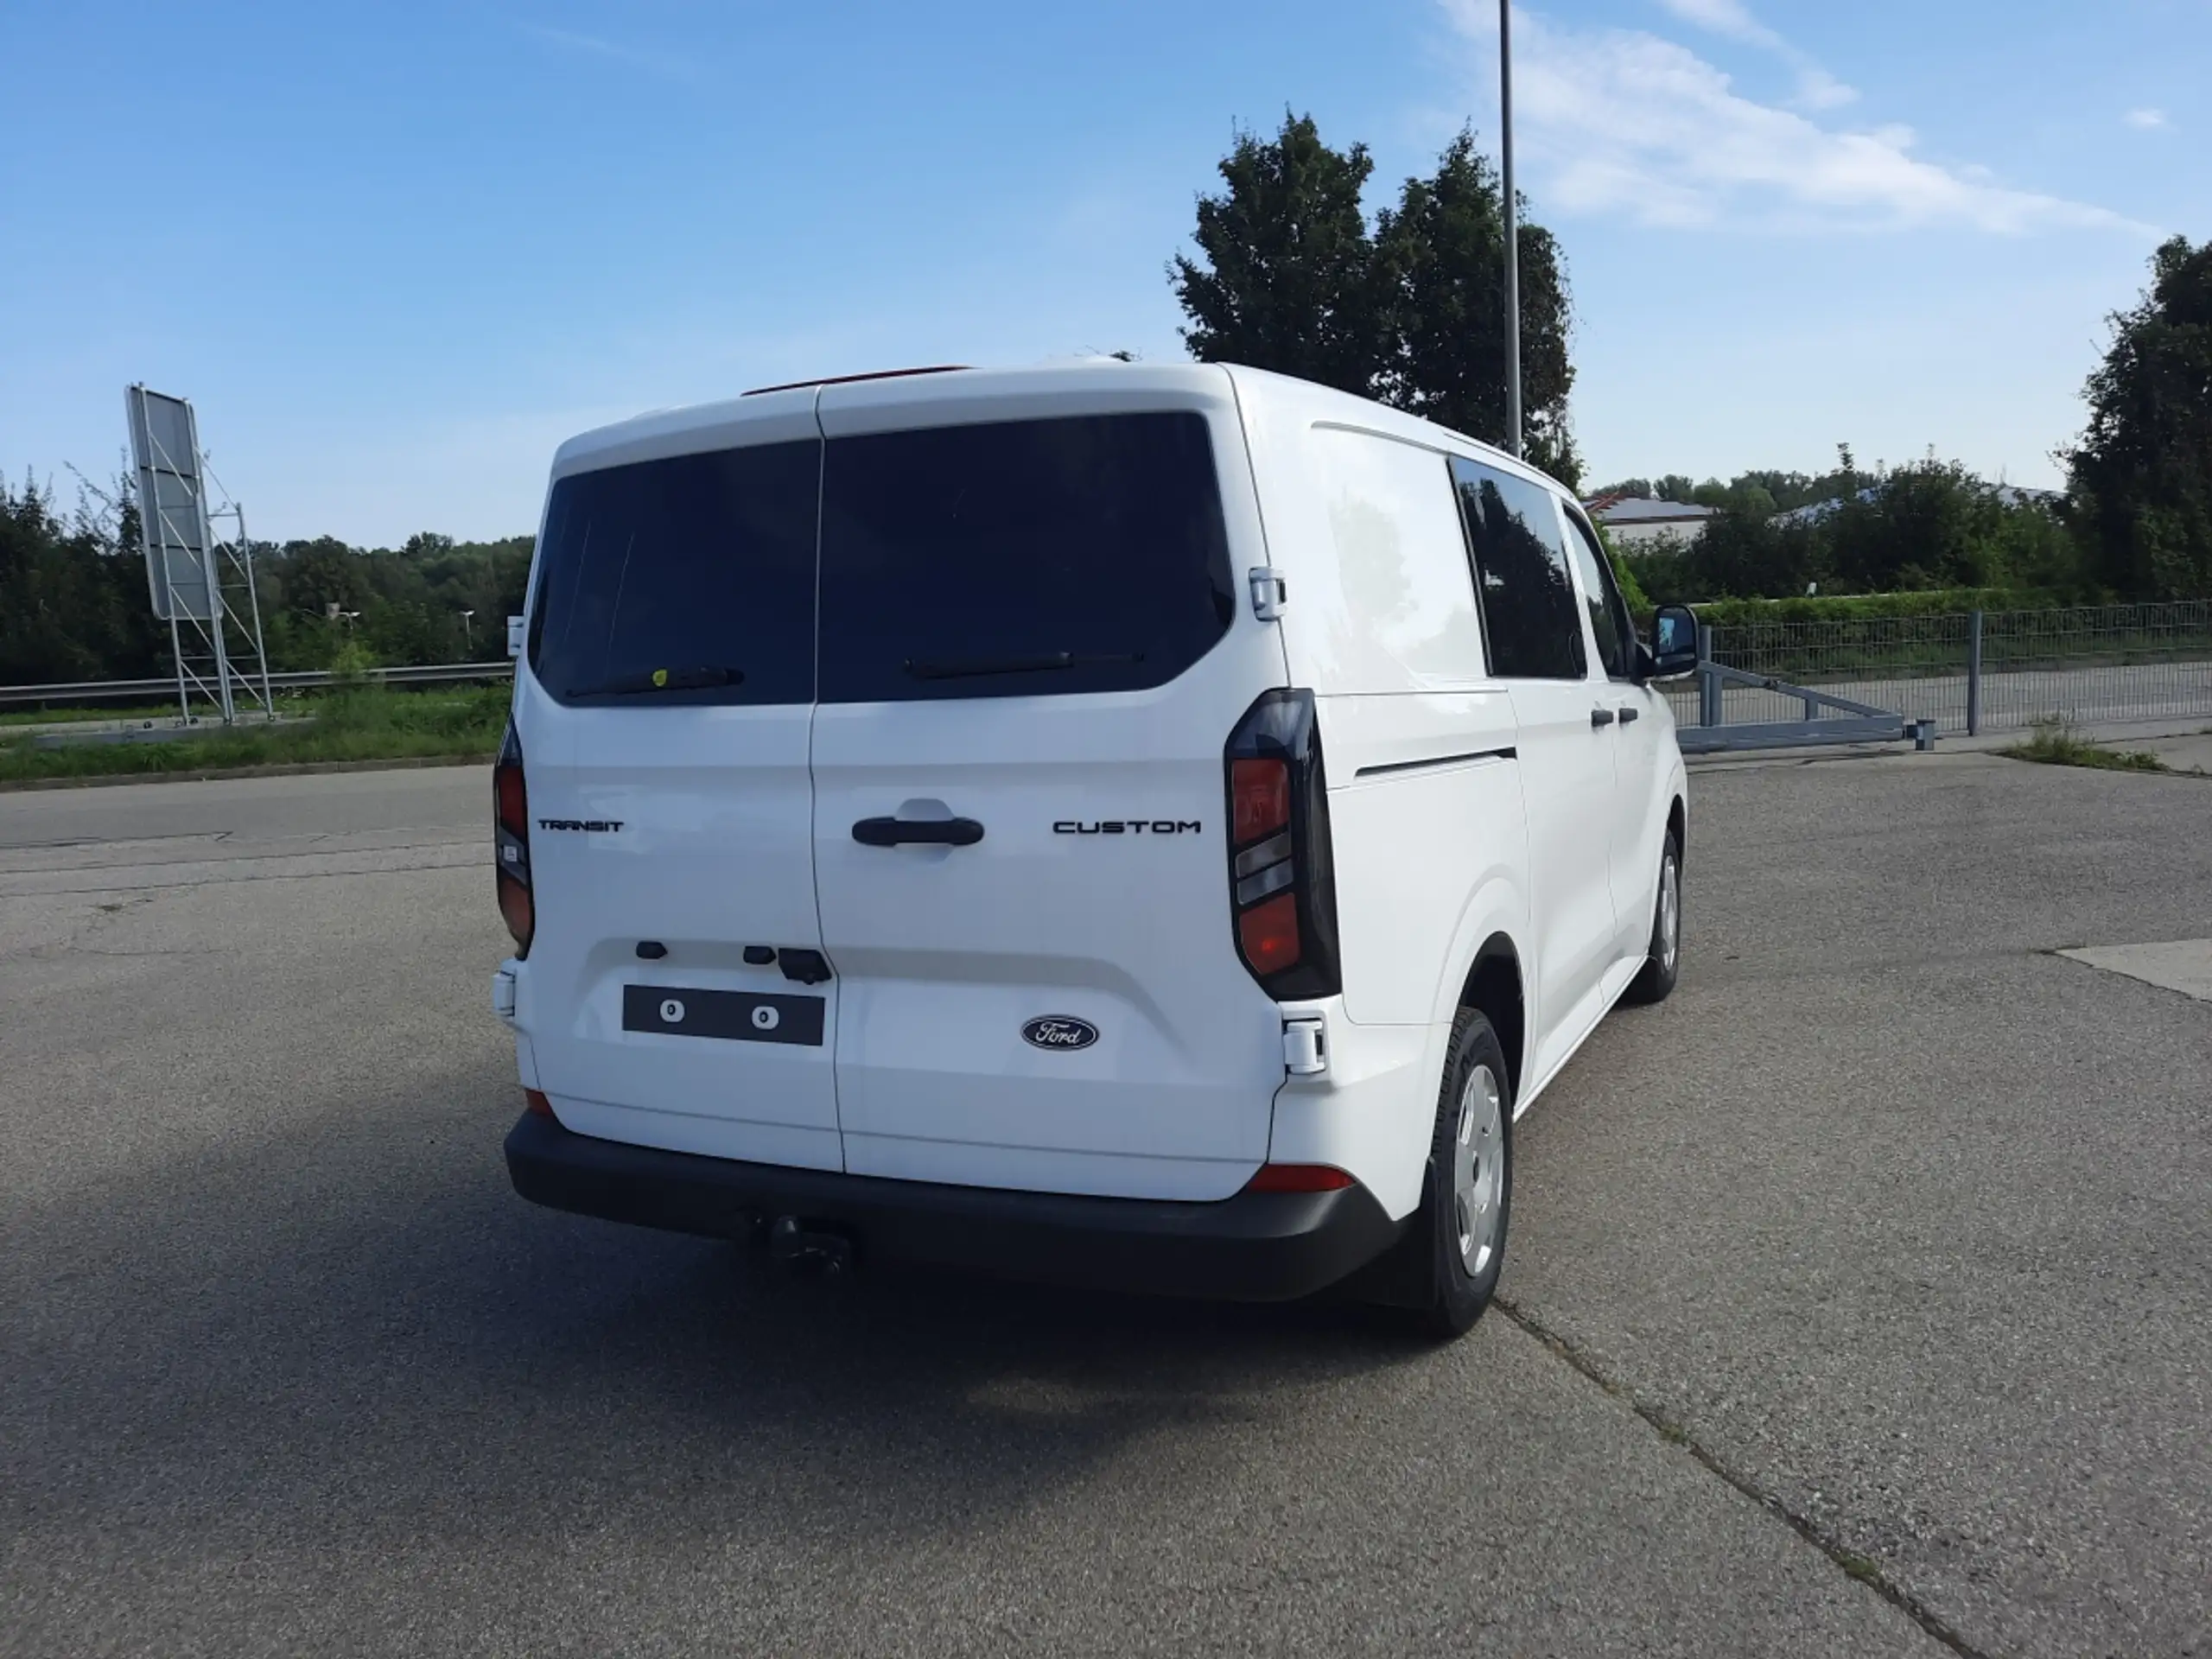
1512, 230
468, 633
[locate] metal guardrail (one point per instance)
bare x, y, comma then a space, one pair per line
1855, 722
1961, 674
1976, 671
71, 693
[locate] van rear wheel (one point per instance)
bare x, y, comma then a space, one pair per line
1467, 1196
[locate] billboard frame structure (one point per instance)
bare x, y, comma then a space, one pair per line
177, 527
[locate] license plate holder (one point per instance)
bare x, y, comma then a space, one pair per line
727, 1016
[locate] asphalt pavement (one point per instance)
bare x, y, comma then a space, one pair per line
1857, 1299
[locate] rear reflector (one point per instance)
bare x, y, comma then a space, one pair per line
541, 1107
1268, 934
518, 911
1298, 1177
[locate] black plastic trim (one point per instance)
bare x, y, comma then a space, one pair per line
1256, 1246
510, 846
928, 832
1509, 753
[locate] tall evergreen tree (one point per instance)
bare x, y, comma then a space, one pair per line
1412, 312
2141, 479
1443, 254
1289, 280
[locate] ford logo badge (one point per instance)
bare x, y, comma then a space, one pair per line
1059, 1031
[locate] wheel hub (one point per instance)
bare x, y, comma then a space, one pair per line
1478, 1169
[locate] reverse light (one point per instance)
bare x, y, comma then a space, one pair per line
510, 843
1281, 882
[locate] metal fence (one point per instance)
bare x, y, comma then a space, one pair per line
1969, 672
75, 694
1977, 671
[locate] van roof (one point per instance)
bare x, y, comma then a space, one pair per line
957, 394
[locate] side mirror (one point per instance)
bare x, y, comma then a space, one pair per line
1673, 653
514, 636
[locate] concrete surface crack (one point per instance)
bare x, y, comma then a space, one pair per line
1860, 1568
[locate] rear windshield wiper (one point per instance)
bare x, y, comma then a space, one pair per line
646, 681
1041, 662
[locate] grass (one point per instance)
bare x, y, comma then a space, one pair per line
47, 716
1861, 1567
353, 723
2057, 744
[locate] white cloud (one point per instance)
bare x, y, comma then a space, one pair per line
1816, 88
666, 65
1725, 18
2145, 120
1618, 121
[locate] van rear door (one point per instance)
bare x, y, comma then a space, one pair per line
664, 712
1033, 651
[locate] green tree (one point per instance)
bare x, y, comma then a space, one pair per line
1442, 258
2140, 482
73, 604
1413, 315
1744, 555
1290, 282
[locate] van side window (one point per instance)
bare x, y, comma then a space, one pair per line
1404, 599
1609, 621
1529, 611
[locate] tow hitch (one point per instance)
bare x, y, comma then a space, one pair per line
806, 1247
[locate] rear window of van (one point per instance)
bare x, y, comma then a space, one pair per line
684, 581
1012, 558
1082, 554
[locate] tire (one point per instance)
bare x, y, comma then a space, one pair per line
1467, 1195
1663, 962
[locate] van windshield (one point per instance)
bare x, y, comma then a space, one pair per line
684, 581
1019, 558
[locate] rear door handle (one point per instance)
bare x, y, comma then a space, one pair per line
929, 832
1601, 716
1627, 714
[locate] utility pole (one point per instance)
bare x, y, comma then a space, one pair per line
1512, 231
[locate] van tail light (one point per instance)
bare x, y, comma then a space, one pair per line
1281, 879
511, 841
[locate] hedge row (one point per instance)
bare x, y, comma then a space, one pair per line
1850, 607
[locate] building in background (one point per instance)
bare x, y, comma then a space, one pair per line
1636, 524
2005, 495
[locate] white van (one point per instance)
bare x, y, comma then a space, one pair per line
1144, 826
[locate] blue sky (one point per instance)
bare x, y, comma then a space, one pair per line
396, 252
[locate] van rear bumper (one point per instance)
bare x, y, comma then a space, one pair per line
1257, 1246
